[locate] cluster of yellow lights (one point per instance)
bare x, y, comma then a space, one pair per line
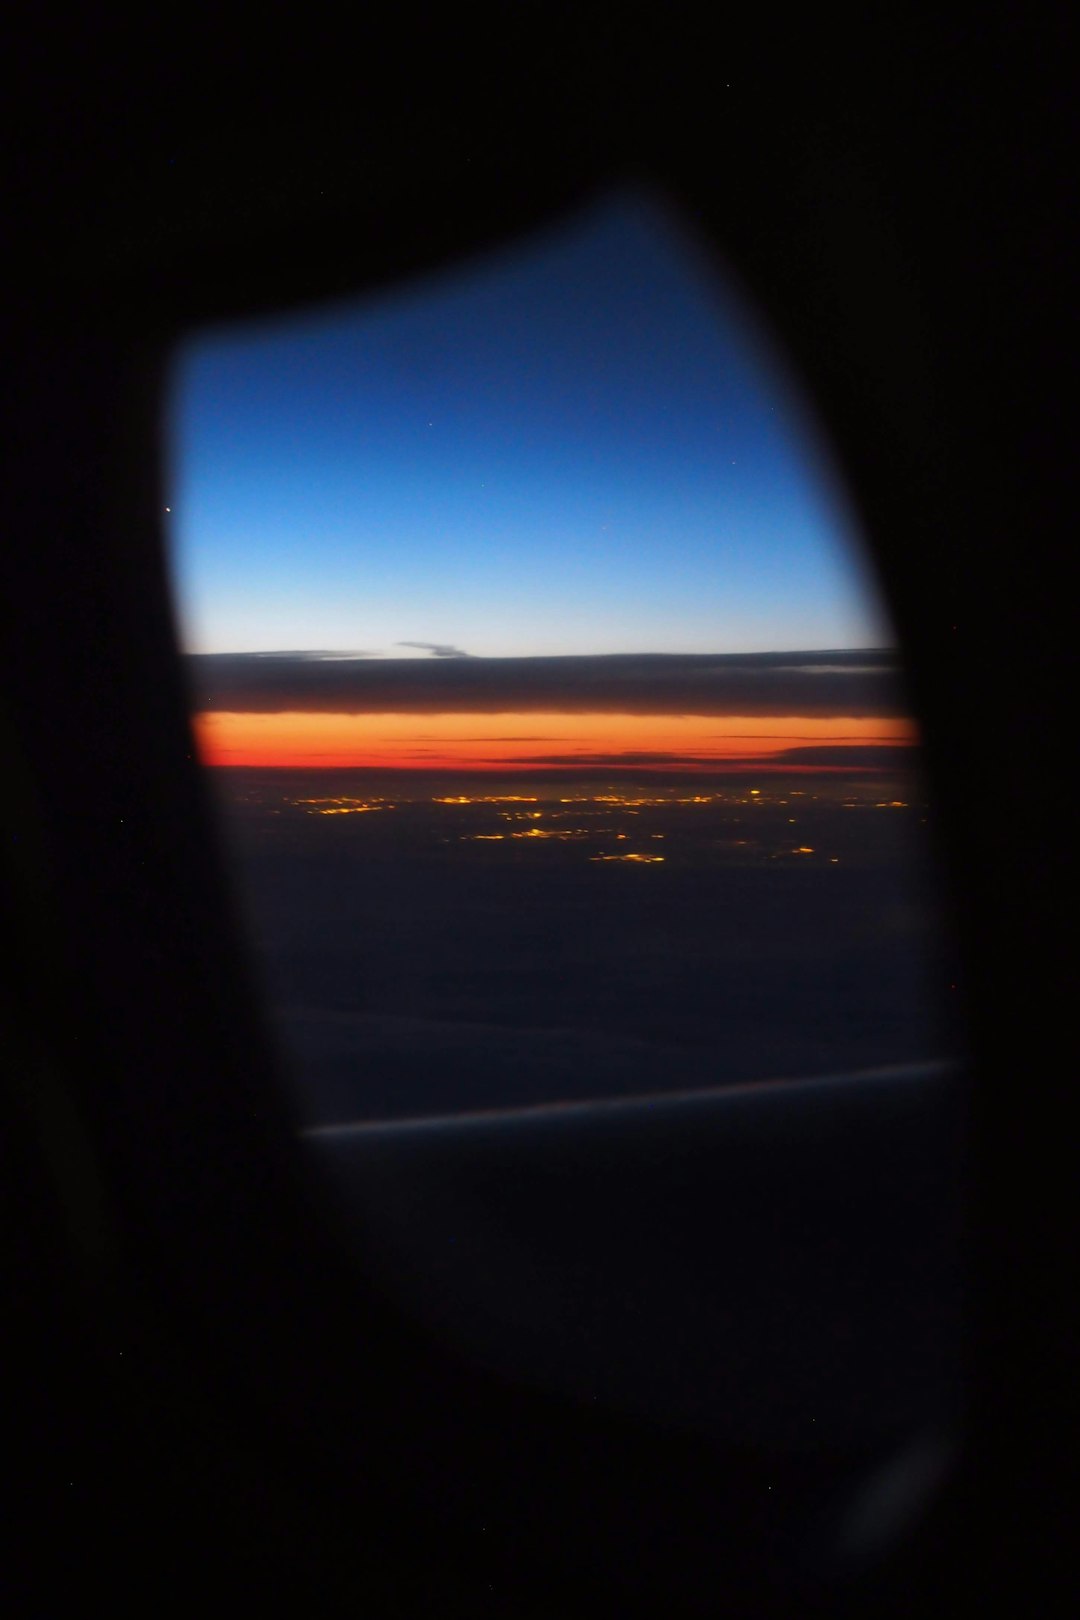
492, 798
624, 802
882, 804
609, 798
534, 832
641, 860
604, 802
341, 807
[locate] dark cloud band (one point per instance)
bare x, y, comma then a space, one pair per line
440, 649
854, 684
855, 756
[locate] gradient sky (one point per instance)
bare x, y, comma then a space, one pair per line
578, 446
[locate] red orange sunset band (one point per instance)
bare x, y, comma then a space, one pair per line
521, 741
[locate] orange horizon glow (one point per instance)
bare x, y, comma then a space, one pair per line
500, 742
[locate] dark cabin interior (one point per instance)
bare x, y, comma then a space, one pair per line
224, 1391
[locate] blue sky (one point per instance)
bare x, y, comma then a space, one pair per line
579, 445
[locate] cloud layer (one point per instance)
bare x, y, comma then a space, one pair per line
858, 684
441, 649
847, 756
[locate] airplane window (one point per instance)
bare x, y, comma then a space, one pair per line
557, 727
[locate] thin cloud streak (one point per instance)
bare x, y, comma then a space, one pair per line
851, 755
440, 649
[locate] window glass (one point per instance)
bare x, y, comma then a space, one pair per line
556, 724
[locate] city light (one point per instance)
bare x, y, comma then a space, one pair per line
644, 860
595, 820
